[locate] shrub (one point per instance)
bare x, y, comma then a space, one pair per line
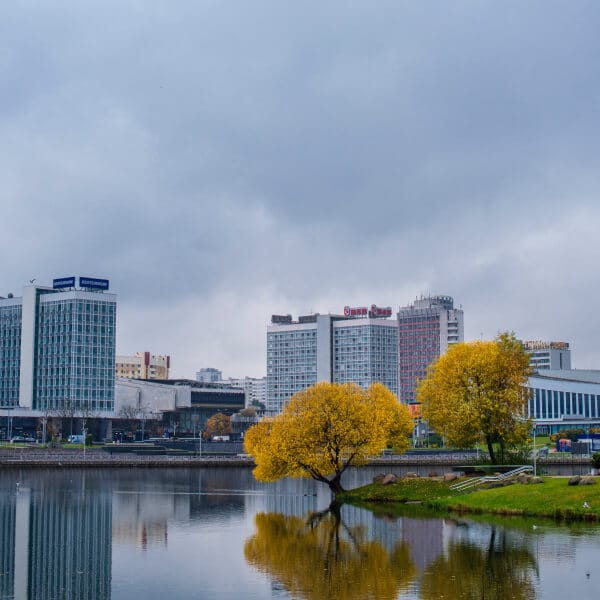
596, 460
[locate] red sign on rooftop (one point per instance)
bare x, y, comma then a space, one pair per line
363, 311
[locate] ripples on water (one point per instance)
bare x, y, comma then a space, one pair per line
155, 534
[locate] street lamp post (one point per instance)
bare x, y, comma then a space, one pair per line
534, 454
8, 423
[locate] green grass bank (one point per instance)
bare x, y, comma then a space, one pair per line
552, 499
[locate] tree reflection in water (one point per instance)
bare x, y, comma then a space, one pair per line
321, 557
502, 571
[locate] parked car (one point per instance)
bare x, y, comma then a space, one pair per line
75, 439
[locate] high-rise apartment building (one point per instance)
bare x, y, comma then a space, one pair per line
548, 355
425, 330
143, 365
360, 346
209, 375
57, 346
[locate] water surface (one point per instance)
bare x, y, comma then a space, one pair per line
152, 534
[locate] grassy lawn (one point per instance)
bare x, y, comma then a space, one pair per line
554, 498
414, 489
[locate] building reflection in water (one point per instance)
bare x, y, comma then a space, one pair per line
56, 538
142, 514
432, 558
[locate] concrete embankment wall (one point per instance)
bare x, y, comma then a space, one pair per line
65, 458
32, 457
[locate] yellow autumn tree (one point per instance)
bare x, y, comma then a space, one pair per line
218, 424
477, 391
325, 429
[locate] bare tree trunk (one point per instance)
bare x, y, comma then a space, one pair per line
491, 452
335, 484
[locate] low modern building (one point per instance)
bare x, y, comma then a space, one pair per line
177, 406
143, 365
360, 346
548, 355
564, 399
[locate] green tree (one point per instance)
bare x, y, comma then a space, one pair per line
477, 391
325, 429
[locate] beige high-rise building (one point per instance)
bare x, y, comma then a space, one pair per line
143, 365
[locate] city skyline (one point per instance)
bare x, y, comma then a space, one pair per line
220, 164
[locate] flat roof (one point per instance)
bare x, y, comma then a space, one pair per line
581, 375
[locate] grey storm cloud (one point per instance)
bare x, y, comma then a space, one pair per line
222, 161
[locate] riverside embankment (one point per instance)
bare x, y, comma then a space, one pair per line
34, 456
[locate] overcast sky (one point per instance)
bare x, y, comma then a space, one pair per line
223, 161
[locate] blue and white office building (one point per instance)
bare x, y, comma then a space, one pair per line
564, 399
57, 346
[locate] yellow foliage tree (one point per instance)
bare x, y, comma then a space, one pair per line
350, 565
325, 429
477, 390
218, 424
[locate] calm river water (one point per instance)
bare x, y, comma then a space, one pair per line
153, 534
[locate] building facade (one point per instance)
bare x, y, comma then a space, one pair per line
548, 355
426, 329
209, 375
359, 347
255, 389
564, 399
182, 406
57, 347
143, 365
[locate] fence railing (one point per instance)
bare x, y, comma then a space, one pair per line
461, 486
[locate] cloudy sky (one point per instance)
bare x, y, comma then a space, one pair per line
223, 161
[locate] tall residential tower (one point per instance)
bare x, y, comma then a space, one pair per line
425, 330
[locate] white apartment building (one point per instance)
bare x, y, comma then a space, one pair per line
360, 346
255, 389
